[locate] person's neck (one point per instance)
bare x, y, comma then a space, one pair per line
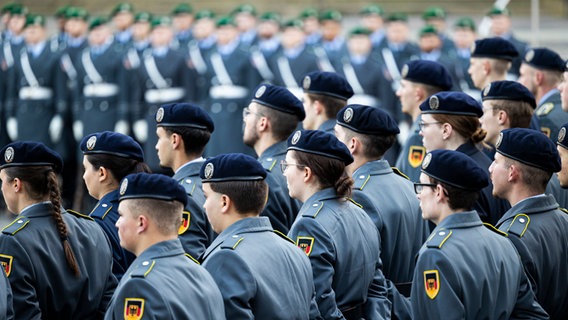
182, 159
455, 141
264, 142
520, 192
146, 241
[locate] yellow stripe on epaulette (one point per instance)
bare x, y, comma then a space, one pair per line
18, 224
189, 185
361, 181
519, 225
79, 215
190, 257
232, 242
397, 171
143, 270
269, 164
563, 209
438, 239
283, 236
492, 228
355, 202
313, 210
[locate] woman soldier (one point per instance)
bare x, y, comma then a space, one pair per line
55, 262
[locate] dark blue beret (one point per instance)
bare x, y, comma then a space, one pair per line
543, 58
112, 143
452, 103
563, 137
508, 90
530, 147
456, 169
327, 84
184, 115
151, 186
496, 48
427, 72
320, 143
367, 120
279, 98
29, 153
232, 167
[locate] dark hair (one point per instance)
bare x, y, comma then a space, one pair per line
194, 140
248, 196
519, 112
41, 181
534, 178
328, 171
119, 167
165, 214
374, 146
430, 89
458, 198
283, 124
332, 105
467, 126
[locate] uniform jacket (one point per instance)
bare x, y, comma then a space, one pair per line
163, 283
551, 116
301, 65
6, 308
466, 271
413, 152
537, 228
261, 275
41, 281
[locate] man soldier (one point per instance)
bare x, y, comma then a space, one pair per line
311, 25
123, 18
464, 38
244, 17
501, 27
562, 147
182, 21
432, 49
267, 45
373, 19
490, 60
332, 46
436, 17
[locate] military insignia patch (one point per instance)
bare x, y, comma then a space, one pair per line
544, 109
260, 92
185, 221
209, 169
9, 155
348, 115
306, 244
499, 140
416, 155
123, 187
561, 134
431, 283
91, 142
296, 137
434, 103
133, 308
473, 48
307, 83
160, 115
486, 90
6, 262
404, 71
529, 55
546, 131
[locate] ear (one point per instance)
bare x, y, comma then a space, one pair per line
176, 141
502, 117
539, 77
513, 174
446, 131
143, 223
226, 203
318, 107
353, 145
17, 184
440, 194
103, 174
262, 124
308, 174
486, 67
419, 94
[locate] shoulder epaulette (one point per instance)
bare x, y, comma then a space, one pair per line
519, 225
492, 228
269, 163
313, 209
360, 181
189, 185
96, 213
232, 242
192, 258
79, 215
143, 269
438, 239
283, 236
355, 203
563, 209
18, 224
545, 109
397, 171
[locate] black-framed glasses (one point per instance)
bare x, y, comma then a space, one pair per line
247, 111
418, 187
284, 165
423, 124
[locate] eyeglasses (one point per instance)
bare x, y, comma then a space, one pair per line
284, 165
423, 124
247, 111
418, 187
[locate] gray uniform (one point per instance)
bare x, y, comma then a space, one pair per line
6, 309
163, 283
412, 153
550, 115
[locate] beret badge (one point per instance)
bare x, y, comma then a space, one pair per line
296, 137
307, 83
561, 134
160, 115
499, 140
404, 71
434, 103
9, 155
426, 161
260, 92
529, 56
486, 90
91, 143
209, 169
348, 115
123, 187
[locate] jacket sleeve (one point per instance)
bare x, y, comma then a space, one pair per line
527, 307
138, 297
377, 305
197, 236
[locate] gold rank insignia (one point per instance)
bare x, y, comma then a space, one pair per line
133, 308
416, 155
431, 283
185, 220
306, 244
6, 262
544, 109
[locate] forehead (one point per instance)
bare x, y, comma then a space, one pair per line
427, 117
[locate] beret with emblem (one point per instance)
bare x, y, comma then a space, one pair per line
97, 22
232, 167
112, 143
427, 72
143, 16
372, 9
455, 169
151, 186
319, 143
543, 58
204, 14
245, 8
280, 99
508, 90
452, 103
367, 120
309, 13
563, 137
495, 48
327, 84
184, 115
530, 147
28, 154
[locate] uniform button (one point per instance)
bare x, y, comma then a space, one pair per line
20, 221
442, 233
145, 263
188, 181
216, 108
105, 205
522, 220
315, 205
269, 159
361, 177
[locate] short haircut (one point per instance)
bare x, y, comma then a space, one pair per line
332, 105
247, 196
283, 124
194, 139
519, 112
374, 146
536, 179
458, 198
499, 66
166, 215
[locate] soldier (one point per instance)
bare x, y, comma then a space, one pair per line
562, 148
501, 27
98, 105
368, 133
14, 36
199, 49
372, 18
337, 235
436, 16
272, 115
490, 60
58, 41
183, 130
6, 307
141, 34
420, 79
267, 45
311, 25
245, 21
48, 254
524, 163
108, 157
464, 270
123, 18
431, 49
163, 282
182, 21
268, 266
563, 88
541, 72
464, 37
450, 120
332, 46
325, 93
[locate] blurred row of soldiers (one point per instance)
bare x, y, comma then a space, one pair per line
94, 75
